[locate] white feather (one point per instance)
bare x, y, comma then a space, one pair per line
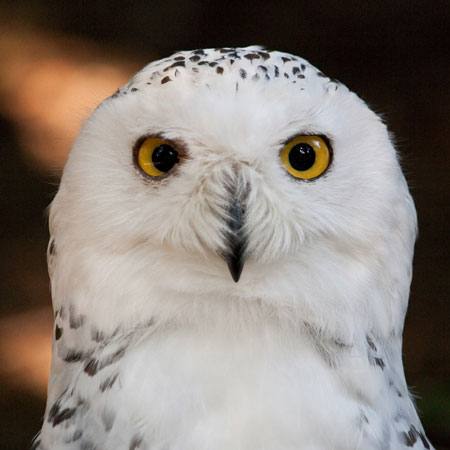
305, 351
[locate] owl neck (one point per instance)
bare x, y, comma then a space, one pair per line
341, 299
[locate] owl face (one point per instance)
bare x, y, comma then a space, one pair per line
241, 158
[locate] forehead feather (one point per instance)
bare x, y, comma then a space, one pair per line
236, 65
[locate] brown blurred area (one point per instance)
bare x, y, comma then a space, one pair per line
58, 60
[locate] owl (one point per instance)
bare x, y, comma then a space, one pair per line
230, 261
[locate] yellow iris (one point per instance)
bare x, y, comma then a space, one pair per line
156, 156
306, 156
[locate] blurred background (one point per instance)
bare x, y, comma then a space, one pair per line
58, 60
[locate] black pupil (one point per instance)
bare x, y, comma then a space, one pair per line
164, 157
302, 157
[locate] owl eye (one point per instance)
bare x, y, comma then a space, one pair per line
306, 157
156, 156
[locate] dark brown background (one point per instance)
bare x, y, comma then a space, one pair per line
58, 59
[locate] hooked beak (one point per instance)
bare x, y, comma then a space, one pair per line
234, 256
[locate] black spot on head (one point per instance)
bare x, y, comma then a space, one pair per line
242, 73
212, 64
175, 64
203, 63
52, 248
263, 68
179, 58
199, 52
225, 50
148, 82
286, 75
303, 67
300, 75
219, 70
58, 332
231, 62
266, 76
264, 55
166, 80
320, 74
285, 59
277, 71
295, 70
252, 56
134, 89
195, 58
194, 69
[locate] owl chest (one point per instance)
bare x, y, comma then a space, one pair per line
188, 391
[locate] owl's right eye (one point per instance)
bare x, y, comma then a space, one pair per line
156, 157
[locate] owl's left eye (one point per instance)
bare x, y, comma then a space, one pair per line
306, 157
156, 156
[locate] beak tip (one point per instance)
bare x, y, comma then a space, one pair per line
235, 277
235, 267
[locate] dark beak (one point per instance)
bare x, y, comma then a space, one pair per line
234, 256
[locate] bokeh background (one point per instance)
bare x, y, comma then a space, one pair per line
59, 59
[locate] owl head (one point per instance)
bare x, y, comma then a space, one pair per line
235, 175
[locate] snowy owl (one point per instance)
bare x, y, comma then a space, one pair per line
230, 261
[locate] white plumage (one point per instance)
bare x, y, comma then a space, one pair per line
156, 347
